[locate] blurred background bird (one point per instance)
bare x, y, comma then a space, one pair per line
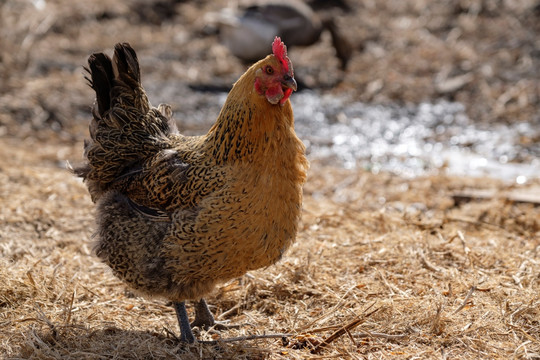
248, 29
178, 214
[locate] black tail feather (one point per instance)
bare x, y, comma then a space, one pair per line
127, 65
124, 129
102, 75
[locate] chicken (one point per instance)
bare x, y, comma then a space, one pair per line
176, 214
248, 32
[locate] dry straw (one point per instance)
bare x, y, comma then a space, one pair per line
413, 276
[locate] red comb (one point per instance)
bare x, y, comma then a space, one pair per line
280, 51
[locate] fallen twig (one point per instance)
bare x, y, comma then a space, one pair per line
466, 300
322, 329
524, 196
337, 306
230, 311
427, 264
341, 331
245, 338
337, 334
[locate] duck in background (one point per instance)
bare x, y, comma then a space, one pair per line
247, 30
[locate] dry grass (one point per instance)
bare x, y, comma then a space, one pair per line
407, 273
384, 267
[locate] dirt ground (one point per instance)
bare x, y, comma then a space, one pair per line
384, 267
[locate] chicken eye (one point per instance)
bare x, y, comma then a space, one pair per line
269, 70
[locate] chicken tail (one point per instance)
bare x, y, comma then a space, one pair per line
117, 82
125, 129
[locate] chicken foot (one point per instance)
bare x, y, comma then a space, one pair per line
205, 320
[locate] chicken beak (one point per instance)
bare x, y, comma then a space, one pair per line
289, 82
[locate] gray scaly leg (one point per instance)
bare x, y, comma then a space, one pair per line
203, 317
205, 320
185, 329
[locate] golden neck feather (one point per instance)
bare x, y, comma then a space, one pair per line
248, 124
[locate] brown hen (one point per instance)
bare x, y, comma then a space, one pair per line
178, 214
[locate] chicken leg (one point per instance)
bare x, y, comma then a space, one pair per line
186, 335
205, 320
203, 316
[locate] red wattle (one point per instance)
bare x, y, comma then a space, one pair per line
286, 95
